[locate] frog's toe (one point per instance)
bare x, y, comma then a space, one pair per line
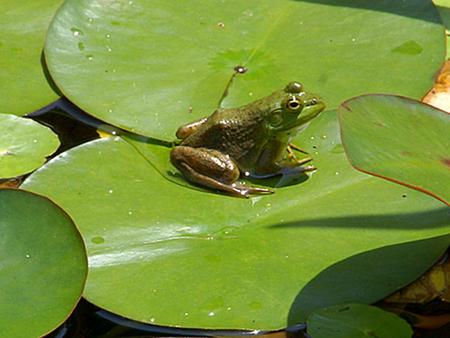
245, 191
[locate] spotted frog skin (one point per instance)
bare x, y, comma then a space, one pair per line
252, 140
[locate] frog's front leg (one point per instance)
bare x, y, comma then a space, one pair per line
293, 158
188, 129
272, 160
211, 168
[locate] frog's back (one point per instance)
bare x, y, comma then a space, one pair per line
236, 132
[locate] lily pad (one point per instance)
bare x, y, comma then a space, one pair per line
399, 139
43, 264
24, 144
166, 254
150, 66
357, 321
24, 82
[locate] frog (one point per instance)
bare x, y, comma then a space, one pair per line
248, 141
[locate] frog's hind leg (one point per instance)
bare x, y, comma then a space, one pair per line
211, 168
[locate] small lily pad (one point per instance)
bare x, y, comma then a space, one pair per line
24, 82
399, 139
43, 265
24, 145
356, 321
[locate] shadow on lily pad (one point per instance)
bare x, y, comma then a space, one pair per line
367, 277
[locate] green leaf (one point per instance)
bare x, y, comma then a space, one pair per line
24, 144
166, 254
24, 82
399, 139
145, 65
43, 264
379, 270
356, 321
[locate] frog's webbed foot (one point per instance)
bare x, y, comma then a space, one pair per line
211, 168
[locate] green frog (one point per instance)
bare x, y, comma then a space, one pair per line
252, 140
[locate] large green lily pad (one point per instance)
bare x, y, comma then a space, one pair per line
24, 145
24, 84
150, 66
399, 139
43, 265
166, 254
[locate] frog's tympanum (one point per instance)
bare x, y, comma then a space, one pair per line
252, 140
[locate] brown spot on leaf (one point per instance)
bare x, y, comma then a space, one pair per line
379, 124
446, 161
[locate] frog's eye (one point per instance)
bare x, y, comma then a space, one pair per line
293, 104
294, 87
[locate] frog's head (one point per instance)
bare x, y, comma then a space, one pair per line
296, 108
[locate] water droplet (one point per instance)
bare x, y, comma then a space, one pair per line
338, 149
97, 240
27, 256
287, 256
186, 313
35, 141
250, 94
110, 191
90, 20
221, 24
404, 195
152, 320
80, 46
211, 314
110, 110
247, 174
89, 57
228, 308
311, 138
108, 48
353, 39
130, 3
130, 212
268, 205
76, 31
108, 36
336, 173
324, 136
240, 69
